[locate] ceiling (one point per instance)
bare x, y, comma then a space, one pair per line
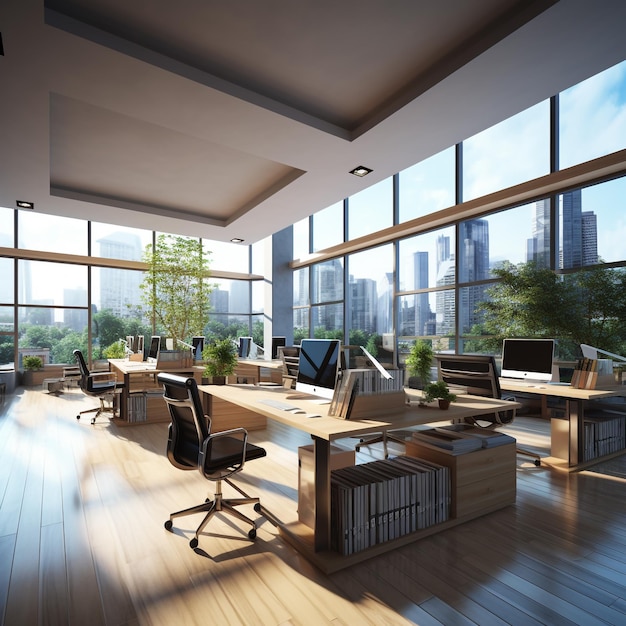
236, 119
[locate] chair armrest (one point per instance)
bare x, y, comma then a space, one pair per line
226, 433
103, 377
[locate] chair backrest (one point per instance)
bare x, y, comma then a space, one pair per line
188, 427
82, 364
475, 374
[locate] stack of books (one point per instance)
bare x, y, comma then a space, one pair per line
384, 500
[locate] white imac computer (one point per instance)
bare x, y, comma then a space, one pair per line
155, 348
528, 360
318, 367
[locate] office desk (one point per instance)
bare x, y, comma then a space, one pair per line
252, 368
323, 431
575, 400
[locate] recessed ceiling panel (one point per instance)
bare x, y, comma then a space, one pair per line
98, 152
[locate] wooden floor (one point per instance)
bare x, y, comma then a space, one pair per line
82, 540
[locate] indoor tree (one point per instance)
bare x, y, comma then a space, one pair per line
175, 288
587, 306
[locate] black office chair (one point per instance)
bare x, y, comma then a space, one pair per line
477, 375
191, 445
102, 385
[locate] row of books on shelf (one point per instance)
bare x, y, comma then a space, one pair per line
461, 438
383, 500
604, 436
362, 382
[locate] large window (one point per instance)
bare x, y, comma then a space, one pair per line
371, 210
51, 233
328, 227
118, 242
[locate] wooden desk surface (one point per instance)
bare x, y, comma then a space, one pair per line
563, 391
275, 364
143, 367
329, 428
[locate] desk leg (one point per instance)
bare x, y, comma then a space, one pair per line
322, 494
576, 430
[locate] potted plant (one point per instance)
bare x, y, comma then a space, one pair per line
31, 364
439, 391
419, 363
220, 360
115, 351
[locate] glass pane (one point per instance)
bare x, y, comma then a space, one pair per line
301, 239
227, 326
46, 283
327, 281
592, 117
230, 296
426, 260
371, 210
7, 349
300, 324
301, 287
52, 333
428, 186
370, 294
230, 257
6, 227
470, 318
258, 296
592, 226
328, 227
119, 242
117, 291
259, 251
428, 315
327, 321
513, 151
51, 233
6, 284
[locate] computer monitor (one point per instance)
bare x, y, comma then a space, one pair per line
528, 359
244, 347
277, 342
198, 347
155, 348
318, 367
139, 349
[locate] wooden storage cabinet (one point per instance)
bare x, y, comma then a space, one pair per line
481, 481
225, 415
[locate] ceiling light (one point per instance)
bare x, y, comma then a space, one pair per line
236, 240
361, 171
22, 204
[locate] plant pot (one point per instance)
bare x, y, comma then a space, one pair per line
444, 404
218, 380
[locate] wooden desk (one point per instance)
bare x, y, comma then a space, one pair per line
315, 544
575, 401
252, 368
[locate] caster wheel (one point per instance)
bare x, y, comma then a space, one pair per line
537, 462
93, 421
357, 449
257, 507
78, 417
193, 544
252, 533
168, 525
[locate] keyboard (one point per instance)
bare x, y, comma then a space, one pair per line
279, 404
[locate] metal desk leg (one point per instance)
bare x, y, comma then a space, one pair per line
322, 494
576, 430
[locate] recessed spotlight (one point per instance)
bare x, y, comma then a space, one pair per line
22, 204
361, 171
236, 240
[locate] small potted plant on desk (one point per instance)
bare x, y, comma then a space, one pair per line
31, 364
220, 360
439, 391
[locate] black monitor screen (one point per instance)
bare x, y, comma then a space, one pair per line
155, 346
244, 346
528, 359
198, 347
277, 342
317, 366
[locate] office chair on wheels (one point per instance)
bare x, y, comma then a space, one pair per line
102, 385
218, 456
477, 375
